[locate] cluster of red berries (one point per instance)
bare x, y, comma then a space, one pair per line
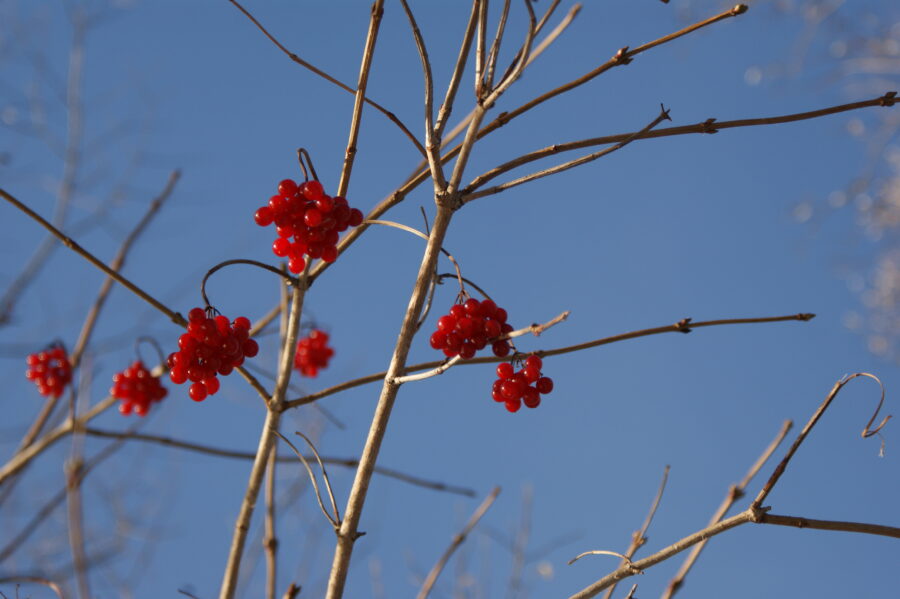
313, 353
137, 389
312, 218
211, 346
49, 370
515, 388
469, 327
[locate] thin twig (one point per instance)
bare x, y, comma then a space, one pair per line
44, 512
735, 492
466, 45
623, 557
75, 519
34, 580
72, 159
798, 522
246, 455
469, 194
362, 82
535, 329
458, 540
270, 540
639, 537
674, 549
494, 52
266, 441
779, 470
390, 115
333, 519
432, 143
72, 245
683, 326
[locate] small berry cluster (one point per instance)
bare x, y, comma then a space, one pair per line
312, 218
469, 327
137, 389
313, 353
211, 346
49, 370
515, 388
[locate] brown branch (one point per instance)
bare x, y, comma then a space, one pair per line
779, 470
432, 143
246, 455
470, 194
458, 540
35, 580
72, 156
75, 519
447, 105
639, 537
72, 245
42, 514
306, 65
683, 326
349, 530
363, 81
639, 566
266, 441
798, 522
270, 540
708, 126
734, 493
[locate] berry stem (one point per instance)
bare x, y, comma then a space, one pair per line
292, 281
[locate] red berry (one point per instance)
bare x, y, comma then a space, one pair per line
531, 398
500, 348
513, 405
313, 353
313, 190
544, 385
281, 247
197, 392
534, 362
263, 216
287, 188
504, 370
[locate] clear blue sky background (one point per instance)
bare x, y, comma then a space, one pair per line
693, 226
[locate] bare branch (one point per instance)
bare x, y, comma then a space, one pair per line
432, 143
270, 540
306, 65
246, 455
494, 52
469, 194
458, 540
447, 105
356, 119
349, 530
734, 493
685, 325
35, 580
266, 441
72, 245
639, 537
779, 470
335, 519
798, 522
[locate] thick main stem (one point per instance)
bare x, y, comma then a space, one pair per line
348, 532
266, 444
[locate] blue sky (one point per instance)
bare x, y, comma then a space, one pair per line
692, 226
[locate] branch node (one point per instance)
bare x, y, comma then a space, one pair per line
621, 57
683, 325
707, 126
738, 9
805, 316
889, 99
